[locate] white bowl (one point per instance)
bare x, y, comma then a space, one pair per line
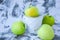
33, 23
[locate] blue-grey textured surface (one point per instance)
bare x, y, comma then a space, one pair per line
13, 10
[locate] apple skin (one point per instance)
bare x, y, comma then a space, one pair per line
48, 20
18, 28
32, 11
46, 32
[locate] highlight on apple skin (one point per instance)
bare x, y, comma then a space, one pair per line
32, 11
18, 28
48, 20
45, 32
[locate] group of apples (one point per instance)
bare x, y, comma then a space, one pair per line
45, 32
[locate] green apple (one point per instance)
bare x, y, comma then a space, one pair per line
18, 28
32, 11
48, 20
45, 32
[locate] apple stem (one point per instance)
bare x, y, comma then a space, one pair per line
47, 13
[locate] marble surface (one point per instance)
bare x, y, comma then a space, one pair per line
13, 10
